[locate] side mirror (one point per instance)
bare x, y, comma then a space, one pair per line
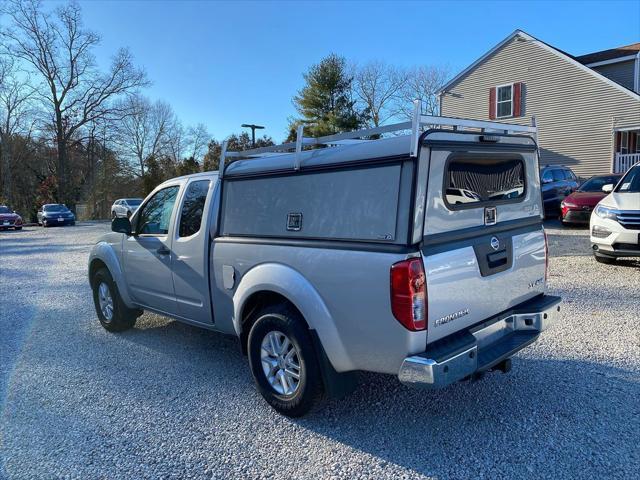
121, 225
547, 180
608, 188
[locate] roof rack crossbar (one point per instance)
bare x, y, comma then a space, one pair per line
299, 142
463, 122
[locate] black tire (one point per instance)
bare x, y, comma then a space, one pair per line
310, 393
123, 318
17, 228
605, 259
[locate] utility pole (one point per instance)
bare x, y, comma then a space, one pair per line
253, 131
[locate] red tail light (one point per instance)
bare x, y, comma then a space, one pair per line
409, 294
546, 256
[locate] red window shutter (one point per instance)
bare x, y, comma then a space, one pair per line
492, 103
517, 99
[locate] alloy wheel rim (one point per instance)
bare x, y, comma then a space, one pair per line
280, 363
105, 300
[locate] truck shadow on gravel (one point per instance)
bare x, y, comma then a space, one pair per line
547, 417
544, 419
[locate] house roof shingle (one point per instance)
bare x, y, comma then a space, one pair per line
609, 54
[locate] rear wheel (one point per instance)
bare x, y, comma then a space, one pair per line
113, 314
284, 363
605, 259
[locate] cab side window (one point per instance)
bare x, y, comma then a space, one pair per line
558, 175
156, 213
192, 207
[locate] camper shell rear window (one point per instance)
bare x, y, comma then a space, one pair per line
472, 180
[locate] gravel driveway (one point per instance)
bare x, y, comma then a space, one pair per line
166, 400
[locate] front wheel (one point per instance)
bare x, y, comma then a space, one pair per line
284, 362
113, 314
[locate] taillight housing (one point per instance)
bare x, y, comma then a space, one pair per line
409, 294
546, 256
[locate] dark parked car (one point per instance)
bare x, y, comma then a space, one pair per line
55, 214
9, 219
557, 182
577, 207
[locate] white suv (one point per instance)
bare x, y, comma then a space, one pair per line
615, 222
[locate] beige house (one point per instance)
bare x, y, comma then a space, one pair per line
587, 108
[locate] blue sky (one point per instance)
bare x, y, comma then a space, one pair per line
227, 63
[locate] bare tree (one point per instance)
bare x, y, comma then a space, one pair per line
15, 110
59, 49
175, 142
144, 131
198, 139
423, 83
377, 86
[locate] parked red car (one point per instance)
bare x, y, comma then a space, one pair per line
9, 219
577, 207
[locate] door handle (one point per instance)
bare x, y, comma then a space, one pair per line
163, 251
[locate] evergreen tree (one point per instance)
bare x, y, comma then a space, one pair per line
325, 102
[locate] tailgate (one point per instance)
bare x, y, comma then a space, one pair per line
470, 281
483, 243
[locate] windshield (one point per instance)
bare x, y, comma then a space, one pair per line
134, 202
4, 210
55, 208
630, 183
595, 184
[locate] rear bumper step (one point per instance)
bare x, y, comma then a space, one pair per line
482, 347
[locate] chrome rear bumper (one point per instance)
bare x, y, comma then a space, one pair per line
481, 347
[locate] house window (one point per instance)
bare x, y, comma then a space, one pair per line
634, 142
504, 101
624, 143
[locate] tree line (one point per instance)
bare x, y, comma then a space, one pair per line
72, 132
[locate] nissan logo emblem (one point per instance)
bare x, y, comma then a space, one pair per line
495, 243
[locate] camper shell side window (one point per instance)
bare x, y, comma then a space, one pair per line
364, 203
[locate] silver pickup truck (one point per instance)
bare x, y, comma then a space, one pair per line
420, 255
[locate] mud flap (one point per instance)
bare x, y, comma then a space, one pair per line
337, 385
